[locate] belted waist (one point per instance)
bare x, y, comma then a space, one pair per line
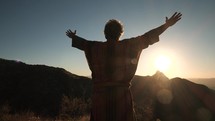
110, 87
111, 84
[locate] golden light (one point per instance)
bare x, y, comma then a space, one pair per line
162, 63
164, 60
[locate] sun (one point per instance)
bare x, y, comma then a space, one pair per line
162, 63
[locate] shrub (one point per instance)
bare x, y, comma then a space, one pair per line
74, 107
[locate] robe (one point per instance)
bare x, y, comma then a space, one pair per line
113, 65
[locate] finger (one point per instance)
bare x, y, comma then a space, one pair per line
178, 19
166, 18
179, 15
174, 15
67, 32
75, 32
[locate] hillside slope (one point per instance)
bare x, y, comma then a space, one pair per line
173, 99
40, 88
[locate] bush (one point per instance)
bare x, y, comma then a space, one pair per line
74, 107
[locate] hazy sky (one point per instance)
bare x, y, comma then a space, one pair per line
33, 31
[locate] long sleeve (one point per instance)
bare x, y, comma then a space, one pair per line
149, 38
79, 43
152, 36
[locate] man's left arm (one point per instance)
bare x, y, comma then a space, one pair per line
152, 36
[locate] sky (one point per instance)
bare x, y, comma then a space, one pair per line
33, 31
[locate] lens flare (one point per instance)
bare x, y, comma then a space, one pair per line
162, 63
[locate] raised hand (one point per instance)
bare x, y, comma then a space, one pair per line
70, 34
173, 19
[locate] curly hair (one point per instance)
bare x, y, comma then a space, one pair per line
113, 29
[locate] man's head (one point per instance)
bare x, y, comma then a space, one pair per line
113, 30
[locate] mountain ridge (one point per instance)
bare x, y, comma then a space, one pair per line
40, 88
173, 99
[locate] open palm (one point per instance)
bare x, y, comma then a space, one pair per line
173, 19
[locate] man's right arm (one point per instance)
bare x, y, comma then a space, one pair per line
77, 41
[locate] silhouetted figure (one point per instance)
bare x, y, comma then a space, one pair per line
113, 64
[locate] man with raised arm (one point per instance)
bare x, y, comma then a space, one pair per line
113, 64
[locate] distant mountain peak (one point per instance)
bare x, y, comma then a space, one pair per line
160, 76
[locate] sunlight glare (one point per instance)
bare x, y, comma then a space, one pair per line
162, 63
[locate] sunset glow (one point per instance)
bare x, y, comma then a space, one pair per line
162, 63
188, 46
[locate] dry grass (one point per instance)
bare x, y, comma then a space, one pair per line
72, 109
29, 116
